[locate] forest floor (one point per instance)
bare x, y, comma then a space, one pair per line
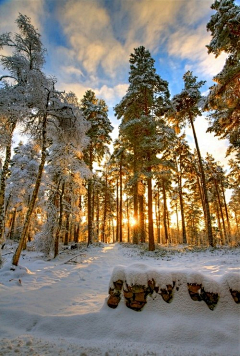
58, 307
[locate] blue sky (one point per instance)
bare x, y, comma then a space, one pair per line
89, 42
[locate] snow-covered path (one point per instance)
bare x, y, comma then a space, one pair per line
54, 307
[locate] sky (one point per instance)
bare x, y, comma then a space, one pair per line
89, 43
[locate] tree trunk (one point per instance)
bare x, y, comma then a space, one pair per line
226, 211
219, 224
67, 232
135, 201
141, 218
128, 224
11, 233
97, 216
17, 254
158, 217
117, 202
178, 233
151, 242
121, 205
221, 211
104, 212
184, 235
89, 195
204, 187
165, 211
3, 182
57, 237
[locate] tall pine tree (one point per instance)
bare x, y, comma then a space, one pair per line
146, 100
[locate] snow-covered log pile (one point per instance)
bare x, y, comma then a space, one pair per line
139, 284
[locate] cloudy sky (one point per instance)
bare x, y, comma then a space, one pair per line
89, 42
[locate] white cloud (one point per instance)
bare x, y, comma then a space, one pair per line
192, 46
9, 12
88, 28
112, 94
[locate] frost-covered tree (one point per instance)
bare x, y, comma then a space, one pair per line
46, 106
20, 184
142, 127
66, 171
185, 109
95, 112
20, 67
223, 101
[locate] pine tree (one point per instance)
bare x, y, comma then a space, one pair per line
146, 99
186, 109
223, 100
182, 158
95, 112
217, 183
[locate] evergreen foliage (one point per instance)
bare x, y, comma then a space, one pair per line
223, 101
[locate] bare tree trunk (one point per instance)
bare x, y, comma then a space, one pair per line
204, 187
220, 208
219, 224
158, 217
121, 204
226, 211
104, 213
165, 211
3, 182
57, 237
128, 224
90, 227
151, 242
11, 233
178, 233
141, 218
135, 204
67, 232
17, 254
118, 222
97, 216
184, 234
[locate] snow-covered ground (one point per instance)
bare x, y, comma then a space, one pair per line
58, 307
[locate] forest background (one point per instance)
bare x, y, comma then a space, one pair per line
64, 184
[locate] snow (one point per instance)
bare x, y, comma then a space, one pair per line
59, 307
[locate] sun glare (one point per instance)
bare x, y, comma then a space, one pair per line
132, 221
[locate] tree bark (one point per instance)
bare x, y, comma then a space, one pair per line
204, 187
141, 218
17, 254
165, 211
221, 211
118, 222
57, 237
121, 204
184, 235
89, 195
135, 203
151, 242
104, 212
3, 182
226, 211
